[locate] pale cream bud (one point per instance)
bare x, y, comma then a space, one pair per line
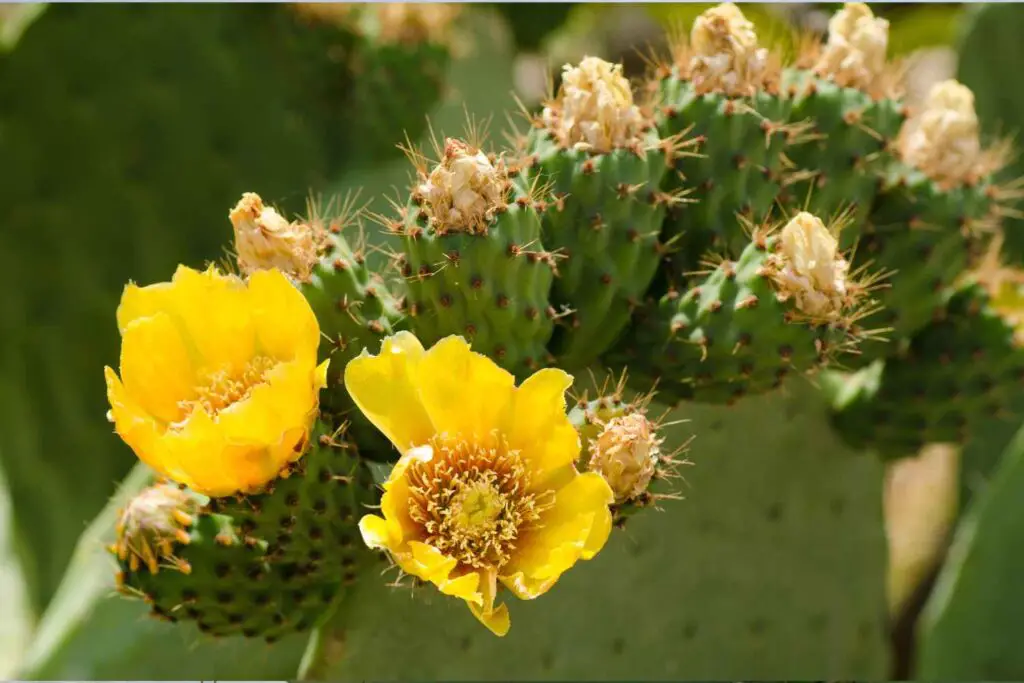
808, 267
626, 454
464, 190
595, 108
943, 140
726, 56
857, 43
264, 239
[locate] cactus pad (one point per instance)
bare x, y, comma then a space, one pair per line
955, 373
739, 332
481, 275
201, 567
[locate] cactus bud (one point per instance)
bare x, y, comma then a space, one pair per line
626, 454
410, 22
808, 268
726, 56
943, 140
152, 524
464, 190
854, 56
264, 239
594, 109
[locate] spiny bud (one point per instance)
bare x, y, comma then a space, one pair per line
943, 139
854, 56
594, 109
808, 269
726, 56
626, 454
464, 190
264, 239
152, 524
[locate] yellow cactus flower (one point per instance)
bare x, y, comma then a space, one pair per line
486, 493
219, 383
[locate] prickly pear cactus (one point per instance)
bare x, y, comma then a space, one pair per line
956, 372
850, 95
605, 165
936, 211
91, 632
753, 321
625, 445
722, 87
398, 59
472, 257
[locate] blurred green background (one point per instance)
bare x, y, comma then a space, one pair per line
62, 267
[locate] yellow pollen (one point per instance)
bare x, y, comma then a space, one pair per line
473, 502
222, 389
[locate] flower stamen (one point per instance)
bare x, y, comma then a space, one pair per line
473, 502
223, 388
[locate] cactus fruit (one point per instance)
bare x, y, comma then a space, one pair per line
352, 303
472, 257
605, 164
787, 305
957, 371
933, 214
622, 444
851, 95
722, 87
261, 565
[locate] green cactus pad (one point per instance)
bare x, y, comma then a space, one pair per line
605, 222
740, 168
956, 373
395, 86
491, 288
924, 237
308, 517
211, 573
845, 150
728, 337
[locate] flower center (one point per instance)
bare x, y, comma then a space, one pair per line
222, 388
473, 502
